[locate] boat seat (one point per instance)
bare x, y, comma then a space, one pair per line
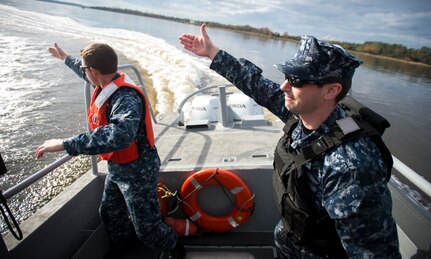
231, 239
232, 245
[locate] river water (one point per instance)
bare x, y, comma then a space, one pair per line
40, 98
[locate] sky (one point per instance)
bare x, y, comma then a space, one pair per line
406, 22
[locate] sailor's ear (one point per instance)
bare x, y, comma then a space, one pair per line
332, 90
94, 71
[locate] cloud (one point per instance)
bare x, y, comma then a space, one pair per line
391, 21
215, 10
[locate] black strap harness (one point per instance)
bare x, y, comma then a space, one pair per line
304, 224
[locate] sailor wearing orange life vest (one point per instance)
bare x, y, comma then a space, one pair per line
121, 132
97, 117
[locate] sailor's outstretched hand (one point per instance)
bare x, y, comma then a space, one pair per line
200, 45
57, 52
52, 145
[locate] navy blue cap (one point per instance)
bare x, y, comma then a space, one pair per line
316, 60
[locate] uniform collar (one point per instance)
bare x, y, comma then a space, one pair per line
299, 139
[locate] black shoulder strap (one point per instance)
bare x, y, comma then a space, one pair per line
378, 122
334, 138
353, 107
290, 124
368, 123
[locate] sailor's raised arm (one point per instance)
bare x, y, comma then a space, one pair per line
201, 45
71, 62
57, 52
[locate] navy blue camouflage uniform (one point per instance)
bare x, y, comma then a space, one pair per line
348, 182
129, 202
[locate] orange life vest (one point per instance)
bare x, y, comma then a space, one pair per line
97, 117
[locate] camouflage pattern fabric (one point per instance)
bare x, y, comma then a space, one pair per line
130, 201
317, 60
348, 182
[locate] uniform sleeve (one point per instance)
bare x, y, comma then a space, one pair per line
124, 121
357, 197
248, 78
75, 65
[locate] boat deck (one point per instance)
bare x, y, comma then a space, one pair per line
212, 145
234, 245
70, 225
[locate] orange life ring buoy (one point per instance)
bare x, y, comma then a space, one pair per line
244, 204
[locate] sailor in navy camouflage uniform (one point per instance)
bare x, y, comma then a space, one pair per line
130, 201
349, 182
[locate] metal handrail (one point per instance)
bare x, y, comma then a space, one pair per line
183, 102
185, 99
418, 180
141, 84
34, 177
41, 173
87, 96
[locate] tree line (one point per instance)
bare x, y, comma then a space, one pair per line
398, 51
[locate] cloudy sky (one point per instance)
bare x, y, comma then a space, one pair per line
406, 22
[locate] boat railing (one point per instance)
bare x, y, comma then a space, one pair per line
49, 168
420, 182
141, 85
222, 99
87, 95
